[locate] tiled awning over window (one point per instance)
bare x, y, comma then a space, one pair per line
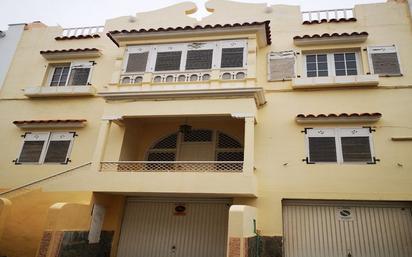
338, 118
70, 53
259, 27
67, 123
326, 38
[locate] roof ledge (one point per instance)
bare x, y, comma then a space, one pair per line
338, 118
261, 29
68, 123
256, 92
70, 53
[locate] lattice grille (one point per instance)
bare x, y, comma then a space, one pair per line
229, 156
161, 156
225, 141
199, 135
171, 166
169, 142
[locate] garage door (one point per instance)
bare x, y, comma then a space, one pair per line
176, 228
347, 229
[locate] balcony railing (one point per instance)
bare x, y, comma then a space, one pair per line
171, 166
82, 31
328, 14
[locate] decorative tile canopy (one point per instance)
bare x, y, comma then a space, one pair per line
329, 21
338, 118
77, 37
326, 38
67, 123
70, 53
117, 35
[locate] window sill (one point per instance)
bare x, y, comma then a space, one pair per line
40, 91
335, 81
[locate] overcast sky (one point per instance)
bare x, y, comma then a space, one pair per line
77, 13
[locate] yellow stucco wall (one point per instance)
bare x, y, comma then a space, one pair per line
279, 144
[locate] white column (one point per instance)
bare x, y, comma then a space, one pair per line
249, 145
101, 144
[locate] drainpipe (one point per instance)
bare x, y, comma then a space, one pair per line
257, 238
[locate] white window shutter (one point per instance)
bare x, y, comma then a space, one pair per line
80, 73
384, 60
281, 65
32, 148
321, 145
59, 147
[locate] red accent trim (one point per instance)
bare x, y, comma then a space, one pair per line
48, 121
69, 50
341, 115
329, 21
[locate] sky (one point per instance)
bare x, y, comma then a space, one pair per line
79, 13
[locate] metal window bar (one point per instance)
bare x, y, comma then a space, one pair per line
171, 166
346, 13
68, 32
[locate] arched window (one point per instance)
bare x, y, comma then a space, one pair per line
209, 144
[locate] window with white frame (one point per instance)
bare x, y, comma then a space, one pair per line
181, 57
46, 147
340, 145
70, 74
332, 64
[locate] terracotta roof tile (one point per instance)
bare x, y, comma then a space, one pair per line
341, 115
48, 121
329, 21
198, 27
77, 37
69, 50
327, 35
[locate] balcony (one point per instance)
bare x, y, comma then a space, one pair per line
333, 15
176, 166
177, 155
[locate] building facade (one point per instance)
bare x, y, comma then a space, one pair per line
256, 131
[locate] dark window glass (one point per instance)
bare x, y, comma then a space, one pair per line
345, 64
79, 76
59, 77
166, 143
356, 149
232, 57
57, 151
316, 65
199, 59
166, 61
322, 149
161, 156
230, 156
31, 151
226, 141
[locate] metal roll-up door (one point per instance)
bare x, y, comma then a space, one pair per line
178, 228
347, 229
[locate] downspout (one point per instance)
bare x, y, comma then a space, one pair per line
257, 238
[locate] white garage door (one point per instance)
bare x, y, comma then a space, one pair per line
347, 229
175, 228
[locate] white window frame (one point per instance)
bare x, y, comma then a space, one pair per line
72, 65
384, 49
331, 63
47, 137
216, 46
338, 133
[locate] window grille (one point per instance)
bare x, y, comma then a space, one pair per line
199, 59
198, 135
225, 141
168, 142
137, 62
232, 57
31, 151
167, 61
356, 149
322, 149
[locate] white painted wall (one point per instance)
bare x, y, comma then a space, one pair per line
8, 45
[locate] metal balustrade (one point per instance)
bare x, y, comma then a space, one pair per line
84, 31
171, 166
328, 14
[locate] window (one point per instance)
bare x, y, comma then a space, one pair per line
332, 64
46, 147
181, 57
70, 74
341, 145
384, 60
